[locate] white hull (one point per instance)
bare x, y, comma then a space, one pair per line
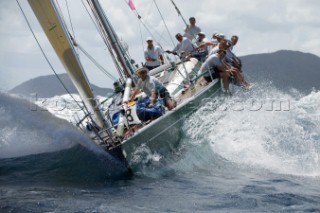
162, 135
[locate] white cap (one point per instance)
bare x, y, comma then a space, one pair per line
220, 35
201, 33
149, 39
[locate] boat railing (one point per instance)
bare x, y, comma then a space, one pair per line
100, 136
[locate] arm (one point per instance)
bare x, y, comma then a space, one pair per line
206, 44
172, 52
152, 98
161, 59
146, 56
186, 29
150, 59
133, 95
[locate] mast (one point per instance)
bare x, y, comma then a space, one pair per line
112, 39
55, 30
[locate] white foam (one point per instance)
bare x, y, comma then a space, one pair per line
283, 139
24, 131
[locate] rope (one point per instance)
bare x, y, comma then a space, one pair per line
142, 43
145, 25
107, 42
164, 23
93, 60
73, 33
180, 14
45, 56
99, 30
63, 19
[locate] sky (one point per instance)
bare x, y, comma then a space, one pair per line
263, 26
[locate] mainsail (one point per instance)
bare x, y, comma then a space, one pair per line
49, 19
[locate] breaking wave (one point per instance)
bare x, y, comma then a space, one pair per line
263, 128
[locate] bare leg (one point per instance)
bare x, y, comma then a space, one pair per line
240, 78
170, 104
225, 80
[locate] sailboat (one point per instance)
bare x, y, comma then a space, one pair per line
129, 135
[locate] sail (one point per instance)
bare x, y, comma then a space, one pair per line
55, 30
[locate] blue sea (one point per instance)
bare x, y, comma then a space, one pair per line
258, 151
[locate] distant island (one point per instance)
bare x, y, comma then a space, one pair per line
286, 69
49, 86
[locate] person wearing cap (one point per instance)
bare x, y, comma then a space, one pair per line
152, 87
201, 39
191, 30
213, 45
153, 55
220, 36
184, 47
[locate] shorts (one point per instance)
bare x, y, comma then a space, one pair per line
213, 75
164, 94
152, 67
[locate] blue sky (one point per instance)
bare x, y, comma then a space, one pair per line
263, 27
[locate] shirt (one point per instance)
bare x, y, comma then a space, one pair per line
153, 53
149, 85
184, 46
214, 50
204, 49
192, 32
211, 62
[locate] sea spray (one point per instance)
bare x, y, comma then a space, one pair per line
263, 128
25, 131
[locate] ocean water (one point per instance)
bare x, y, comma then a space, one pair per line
255, 152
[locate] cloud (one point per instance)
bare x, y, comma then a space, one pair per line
263, 26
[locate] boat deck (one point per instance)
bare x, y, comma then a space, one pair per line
191, 90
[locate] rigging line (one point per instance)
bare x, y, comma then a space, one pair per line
145, 24
164, 22
148, 11
124, 51
85, 52
109, 42
73, 33
63, 19
179, 13
94, 23
45, 56
166, 55
106, 41
72, 36
141, 38
95, 62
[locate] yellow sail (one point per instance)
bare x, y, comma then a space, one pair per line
54, 29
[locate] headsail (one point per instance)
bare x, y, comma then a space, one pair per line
54, 28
